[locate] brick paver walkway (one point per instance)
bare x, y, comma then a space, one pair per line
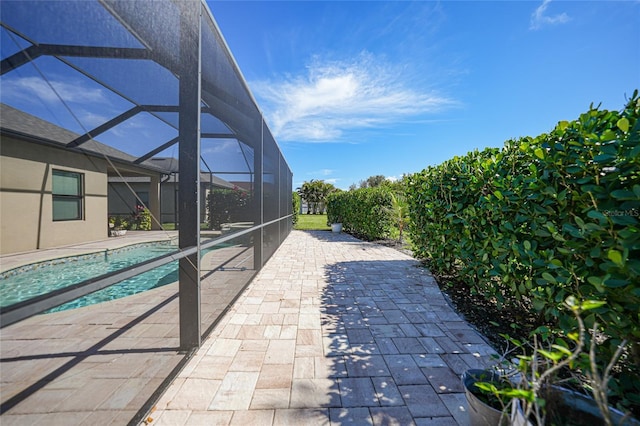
332, 331
100, 364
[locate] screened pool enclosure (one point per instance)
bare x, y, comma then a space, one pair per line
105, 94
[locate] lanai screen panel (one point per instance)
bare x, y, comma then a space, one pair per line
271, 178
109, 73
286, 206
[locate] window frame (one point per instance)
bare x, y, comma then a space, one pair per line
79, 197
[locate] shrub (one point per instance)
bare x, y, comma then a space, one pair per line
366, 213
118, 222
228, 205
144, 220
542, 219
295, 200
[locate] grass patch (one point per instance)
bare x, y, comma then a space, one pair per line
312, 222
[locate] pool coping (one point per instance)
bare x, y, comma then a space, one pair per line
17, 260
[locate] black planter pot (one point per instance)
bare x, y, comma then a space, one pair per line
574, 406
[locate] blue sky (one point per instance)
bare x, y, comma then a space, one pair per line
352, 89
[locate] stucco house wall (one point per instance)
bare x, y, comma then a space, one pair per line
26, 205
30, 150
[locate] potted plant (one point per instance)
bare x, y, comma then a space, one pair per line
484, 408
528, 391
336, 210
117, 226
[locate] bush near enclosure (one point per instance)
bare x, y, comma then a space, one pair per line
365, 213
544, 218
228, 205
295, 204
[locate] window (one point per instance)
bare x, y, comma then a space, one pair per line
67, 195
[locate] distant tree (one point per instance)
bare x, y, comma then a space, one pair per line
373, 181
397, 185
315, 193
306, 193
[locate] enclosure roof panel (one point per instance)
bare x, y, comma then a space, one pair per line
49, 22
19, 123
111, 69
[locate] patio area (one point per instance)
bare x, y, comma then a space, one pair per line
335, 331
100, 364
332, 330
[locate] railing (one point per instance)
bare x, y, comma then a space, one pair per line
28, 308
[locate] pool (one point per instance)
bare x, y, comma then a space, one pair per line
28, 281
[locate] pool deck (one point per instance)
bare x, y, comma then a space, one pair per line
100, 364
332, 330
11, 261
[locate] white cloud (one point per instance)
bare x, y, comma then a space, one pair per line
31, 88
322, 172
540, 19
217, 146
335, 97
91, 119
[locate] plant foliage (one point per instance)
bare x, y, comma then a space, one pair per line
543, 219
365, 212
227, 206
315, 193
295, 201
143, 218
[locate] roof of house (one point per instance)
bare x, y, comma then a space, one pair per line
20, 124
205, 179
17, 123
169, 164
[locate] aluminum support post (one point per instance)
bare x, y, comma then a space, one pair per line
258, 156
189, 176
154, 203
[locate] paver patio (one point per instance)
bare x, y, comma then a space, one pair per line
335, 331
100, 364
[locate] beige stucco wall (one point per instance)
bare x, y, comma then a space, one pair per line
26, 216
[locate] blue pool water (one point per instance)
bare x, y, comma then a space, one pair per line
33, 280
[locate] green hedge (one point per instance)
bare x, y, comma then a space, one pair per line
366, 213
229, 205
295, 200
544, 218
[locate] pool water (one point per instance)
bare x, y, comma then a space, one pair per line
163, 275
40, 278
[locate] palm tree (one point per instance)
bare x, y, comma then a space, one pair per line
315, 193
325, 189
400, 211
309, 191
305, 194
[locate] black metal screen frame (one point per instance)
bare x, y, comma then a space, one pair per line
210, 82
